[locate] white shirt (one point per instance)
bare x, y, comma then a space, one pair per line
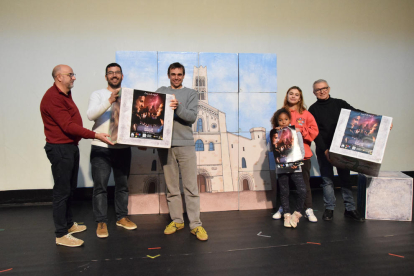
99, 110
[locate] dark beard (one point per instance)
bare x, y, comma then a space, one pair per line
114, 86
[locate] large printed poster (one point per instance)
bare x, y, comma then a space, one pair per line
285, 147
361, 132
147, 118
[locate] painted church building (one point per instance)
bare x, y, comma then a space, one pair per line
226, 162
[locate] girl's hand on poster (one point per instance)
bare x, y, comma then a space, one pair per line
391, 126
294, 167
174, 103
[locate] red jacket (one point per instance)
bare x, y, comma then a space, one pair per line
306, 124
61, 118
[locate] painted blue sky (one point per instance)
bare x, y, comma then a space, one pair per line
222, 71
227, 103
225, 72
243, 111
257, 72
139, 68
255, 110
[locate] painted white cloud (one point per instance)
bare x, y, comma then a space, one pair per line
258, 72
139, 68
222, 71
227, 103
255, 110
148, 71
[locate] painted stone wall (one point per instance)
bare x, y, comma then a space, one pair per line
237, 97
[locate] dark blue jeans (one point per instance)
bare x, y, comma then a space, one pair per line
327, 185
65, 166
102, 160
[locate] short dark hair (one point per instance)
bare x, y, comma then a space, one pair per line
174, 66
275, 116
114, 64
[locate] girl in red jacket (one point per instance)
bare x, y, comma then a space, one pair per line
305, 123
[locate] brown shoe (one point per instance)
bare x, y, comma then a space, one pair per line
102, 230
76, 228
69, 240
126, 223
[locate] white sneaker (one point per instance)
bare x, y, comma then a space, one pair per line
278, 214
310, 216
294, 219
287, 220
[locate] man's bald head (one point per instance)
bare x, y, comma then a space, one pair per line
59, 68
64, 77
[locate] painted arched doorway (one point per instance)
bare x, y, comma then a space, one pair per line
202, 183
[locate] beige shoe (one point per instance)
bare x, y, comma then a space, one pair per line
287, 220
200, 233
102, 230
69, 240
173, 227
294, 219
76, 228
126, 223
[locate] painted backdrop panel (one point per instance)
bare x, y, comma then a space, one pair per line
230, 129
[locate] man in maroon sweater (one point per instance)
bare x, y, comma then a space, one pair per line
63, 129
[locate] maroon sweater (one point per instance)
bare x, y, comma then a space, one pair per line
61, 118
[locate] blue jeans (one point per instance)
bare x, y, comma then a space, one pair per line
65, 166
102, 160
326, 170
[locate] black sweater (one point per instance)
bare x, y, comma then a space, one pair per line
326, 113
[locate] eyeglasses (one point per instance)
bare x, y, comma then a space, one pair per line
71, 75
323, 89
110, 73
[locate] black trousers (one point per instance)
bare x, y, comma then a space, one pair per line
102, 161
283, 181
306, 178
65, 166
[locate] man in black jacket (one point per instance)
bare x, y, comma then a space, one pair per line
326, 111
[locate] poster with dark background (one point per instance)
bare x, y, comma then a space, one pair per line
147, 118
361, 132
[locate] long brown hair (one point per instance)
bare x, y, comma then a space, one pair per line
301, 104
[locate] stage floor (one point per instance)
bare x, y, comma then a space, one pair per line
338, 247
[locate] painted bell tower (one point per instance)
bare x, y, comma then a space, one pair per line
200, 83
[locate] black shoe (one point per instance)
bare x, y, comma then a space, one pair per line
354, 214
327, 215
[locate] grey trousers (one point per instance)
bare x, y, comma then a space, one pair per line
186, 158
